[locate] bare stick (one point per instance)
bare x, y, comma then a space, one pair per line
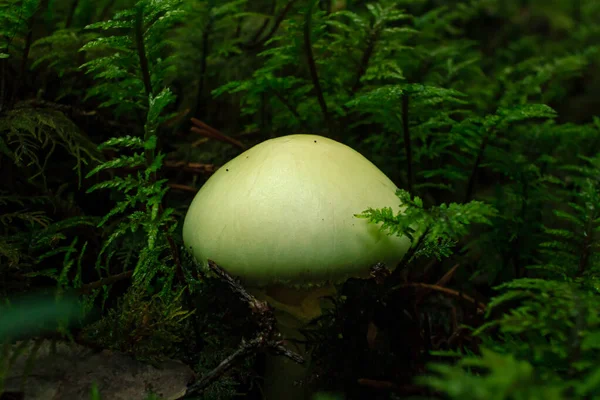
208, 131
267, 338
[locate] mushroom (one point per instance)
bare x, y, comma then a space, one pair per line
281, 218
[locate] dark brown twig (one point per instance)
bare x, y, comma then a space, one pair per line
451, 292
105, 281
447, 276
197, 168
443, 281
184, 188
208, 131
268, 338
257, 306
245, 350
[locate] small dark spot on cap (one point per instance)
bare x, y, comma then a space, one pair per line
315, 141
226, 169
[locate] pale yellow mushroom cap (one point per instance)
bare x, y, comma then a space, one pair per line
283, 212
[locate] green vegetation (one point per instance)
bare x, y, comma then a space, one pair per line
485, 113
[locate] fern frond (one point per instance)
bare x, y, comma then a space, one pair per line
32, 135
33, 217
132, 63
550, 314
442, 226
573, 251
495, 375
14, 15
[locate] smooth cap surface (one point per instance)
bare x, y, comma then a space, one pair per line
283, 212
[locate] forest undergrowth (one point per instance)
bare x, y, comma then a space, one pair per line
485, 113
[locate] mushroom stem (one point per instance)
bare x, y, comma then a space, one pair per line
284, 378
294, 308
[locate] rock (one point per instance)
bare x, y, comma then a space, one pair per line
68, 371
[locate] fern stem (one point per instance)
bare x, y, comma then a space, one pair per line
139, 21
362, 69
26, 49
516, 246
265, 23
291, 108
577, 11
145, 70
141, 50
312, 65
72, 10
478, 160
586, 246
280, 17
106, 10
25, 56
395, 277
366, 57
203, 65
2, 84
407, 143
578, 328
